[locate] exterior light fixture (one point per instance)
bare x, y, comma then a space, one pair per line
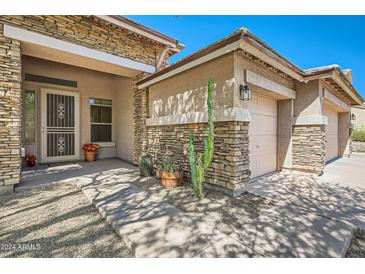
353, 116
245, 92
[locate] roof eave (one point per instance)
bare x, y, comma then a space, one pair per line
145, 31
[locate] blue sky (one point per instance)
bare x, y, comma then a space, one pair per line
308, 41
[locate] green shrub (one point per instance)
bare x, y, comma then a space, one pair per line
200, 162
358, 134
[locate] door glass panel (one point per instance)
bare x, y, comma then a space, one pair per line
29, 109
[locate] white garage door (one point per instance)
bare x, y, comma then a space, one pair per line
331, 134
262, 135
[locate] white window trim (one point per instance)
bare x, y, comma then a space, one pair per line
50, 42
105, 144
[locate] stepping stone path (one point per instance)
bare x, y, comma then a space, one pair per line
153, 228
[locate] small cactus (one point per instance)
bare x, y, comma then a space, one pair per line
145, 165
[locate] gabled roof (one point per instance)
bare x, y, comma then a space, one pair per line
245, 40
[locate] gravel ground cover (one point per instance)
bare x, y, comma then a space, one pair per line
56, 221
357, 248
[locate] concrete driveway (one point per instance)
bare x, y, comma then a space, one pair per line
334, 201
346, 171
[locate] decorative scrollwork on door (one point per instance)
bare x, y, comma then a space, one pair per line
61, 111
61, 144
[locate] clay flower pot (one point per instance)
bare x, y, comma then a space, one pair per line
90, 151
171, 179
90, 156
31, 163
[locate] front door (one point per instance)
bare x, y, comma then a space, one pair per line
59, 125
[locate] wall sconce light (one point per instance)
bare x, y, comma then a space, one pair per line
353, 116
245, 93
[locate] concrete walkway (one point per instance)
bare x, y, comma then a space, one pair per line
150, 227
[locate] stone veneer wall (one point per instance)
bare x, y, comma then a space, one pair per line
309, 148
10, 111
358, 146
229, 171
91, 32
141, 113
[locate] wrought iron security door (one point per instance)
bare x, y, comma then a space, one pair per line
60, 125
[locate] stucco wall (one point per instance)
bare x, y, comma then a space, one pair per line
285, 119
124, 121
91, 84
308, 101
360, 117
242, 63
186, 91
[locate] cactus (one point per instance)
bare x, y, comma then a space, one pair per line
145, 165
199, 163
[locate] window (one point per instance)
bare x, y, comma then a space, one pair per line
101, 120
29, 117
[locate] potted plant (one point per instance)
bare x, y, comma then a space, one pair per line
170, 175
90, 151
31, 160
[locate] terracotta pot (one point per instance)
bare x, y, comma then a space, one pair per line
31, 163
90, 156
171, 179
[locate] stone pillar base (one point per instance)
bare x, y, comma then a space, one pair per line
230, 192
5, 190
309, 148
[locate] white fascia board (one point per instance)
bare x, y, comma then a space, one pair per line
337, 101
197, 62
310, 120
136, 30
219, 115
50, 42
268, 84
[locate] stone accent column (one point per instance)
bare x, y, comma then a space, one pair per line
309, 148
10, 112
229, 171
141, 113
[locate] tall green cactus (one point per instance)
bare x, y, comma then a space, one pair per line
199, 163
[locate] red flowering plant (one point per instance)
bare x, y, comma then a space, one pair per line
90, 147
31, 158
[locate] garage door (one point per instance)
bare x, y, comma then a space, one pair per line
331, 134
262, 135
